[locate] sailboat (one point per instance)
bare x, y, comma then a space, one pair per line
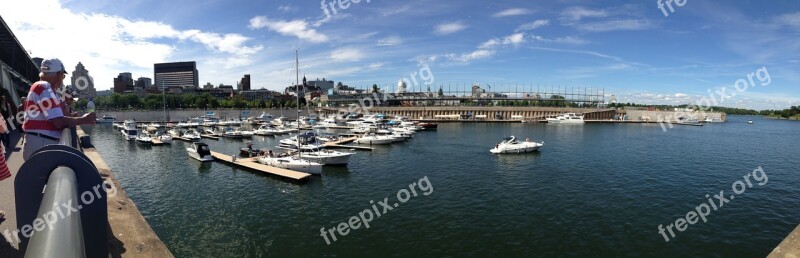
296, 163
164, 137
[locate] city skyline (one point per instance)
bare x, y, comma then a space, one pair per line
635, 50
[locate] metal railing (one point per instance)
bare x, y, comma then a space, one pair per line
51, 190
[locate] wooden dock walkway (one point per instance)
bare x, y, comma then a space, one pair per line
340, 144
157, 142
252, 164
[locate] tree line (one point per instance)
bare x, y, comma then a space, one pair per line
118, 101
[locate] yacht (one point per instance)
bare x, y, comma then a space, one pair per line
191, 135
143, 138
373, 138
280, 121
199, 151
164, 137
328, 122
264, 130
511, 145
325, 156
292, 163
129, 130
245, 133
232, 133
106, 119
566, 118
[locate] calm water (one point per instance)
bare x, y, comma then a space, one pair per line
592, 190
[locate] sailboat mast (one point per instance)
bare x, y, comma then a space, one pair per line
297, 92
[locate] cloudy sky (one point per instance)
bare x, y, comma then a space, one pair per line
628, 48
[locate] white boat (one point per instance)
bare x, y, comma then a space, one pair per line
199, 151
174, 132
231, 133
264, 130
280, 121
263, 118
191, 135
246, 133
106, 119
154, 125
511, 145
750, 121
374, 139
566, 118
292, 163
144, 139
129, 130
163, 137
325, 157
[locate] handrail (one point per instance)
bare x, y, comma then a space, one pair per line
60, 195
64, 238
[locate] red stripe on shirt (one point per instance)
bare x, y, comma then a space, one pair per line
38, 125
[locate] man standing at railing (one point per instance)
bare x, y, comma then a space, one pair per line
44, 118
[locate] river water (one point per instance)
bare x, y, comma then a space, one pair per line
592, 190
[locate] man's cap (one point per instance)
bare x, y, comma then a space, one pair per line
52, 66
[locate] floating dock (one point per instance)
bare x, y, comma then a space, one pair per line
157, 142
251, 163
340, 144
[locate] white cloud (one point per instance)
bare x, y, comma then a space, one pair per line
577, 13
346, 55
107, 44
790, 19
390, 41
512, 12
296, 28
533, 25
287, 8
568, 40
614, 25
474, 55
681, 95
448, 28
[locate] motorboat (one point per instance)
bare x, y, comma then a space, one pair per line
280, 121
199, 151
511, 145
750, 122
174, 132
164, 137
129, 130
304, 139
264, 130
232, 133
245, 133
374, 139
325, 156
191, 135
566, 118
263, 118
106, 119
143, 138
429, 126
292, 163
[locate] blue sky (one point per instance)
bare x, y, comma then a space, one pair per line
628, 48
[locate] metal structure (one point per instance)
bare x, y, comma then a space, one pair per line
61, 203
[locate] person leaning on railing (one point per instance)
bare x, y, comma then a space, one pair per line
44, 116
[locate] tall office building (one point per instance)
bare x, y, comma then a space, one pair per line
244, 84
178, 74
82, 82
143, 83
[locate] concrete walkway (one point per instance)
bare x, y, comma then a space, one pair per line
7, 201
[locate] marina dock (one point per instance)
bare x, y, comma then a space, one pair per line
251, 163
157, 142
341, 144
